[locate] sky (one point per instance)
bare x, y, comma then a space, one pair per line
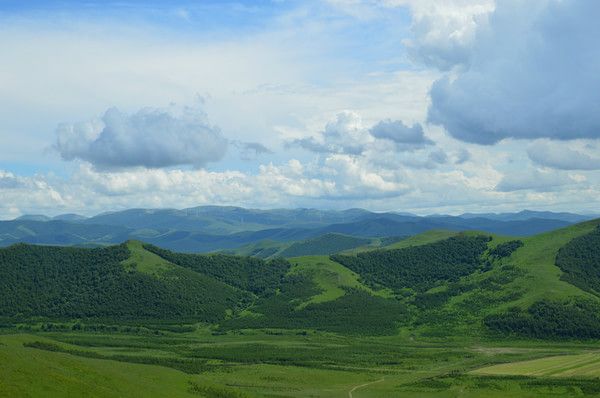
423, 106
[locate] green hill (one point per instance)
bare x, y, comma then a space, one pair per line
117, 282
438, 282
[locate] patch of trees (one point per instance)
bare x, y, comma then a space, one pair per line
577, 319
419, 267
356, 313
505, 249
248, 273
68, 283
580, 261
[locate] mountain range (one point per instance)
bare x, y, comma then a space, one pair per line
214, 228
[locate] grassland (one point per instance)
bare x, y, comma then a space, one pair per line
280, 363
580, 365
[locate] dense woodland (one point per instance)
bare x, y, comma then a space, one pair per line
62, 282
505, 249
550, 319
580, 262
419, 267
248, 273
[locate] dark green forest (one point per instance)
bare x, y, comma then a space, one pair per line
578, 319
63, 282
580, 262
419, 267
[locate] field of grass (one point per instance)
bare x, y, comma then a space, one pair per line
276, 364
580, 365
29, 372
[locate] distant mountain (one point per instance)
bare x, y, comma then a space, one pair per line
34, 217
69, 217
214, 228
222, 220
528, 214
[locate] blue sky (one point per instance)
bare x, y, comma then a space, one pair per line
427, 106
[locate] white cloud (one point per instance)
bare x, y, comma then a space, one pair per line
444, 30
150, 138
345, 134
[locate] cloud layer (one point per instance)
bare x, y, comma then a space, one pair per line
149, 138
532, 72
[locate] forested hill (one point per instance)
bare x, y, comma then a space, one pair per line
545, 286
123, 282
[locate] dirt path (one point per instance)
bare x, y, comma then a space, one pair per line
363, 385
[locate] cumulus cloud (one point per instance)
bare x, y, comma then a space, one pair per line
150, 138
444, 30
532, 73
401, 134
345, 135
536, 180
558, 155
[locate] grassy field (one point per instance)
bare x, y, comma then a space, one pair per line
580, 365
282, 364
